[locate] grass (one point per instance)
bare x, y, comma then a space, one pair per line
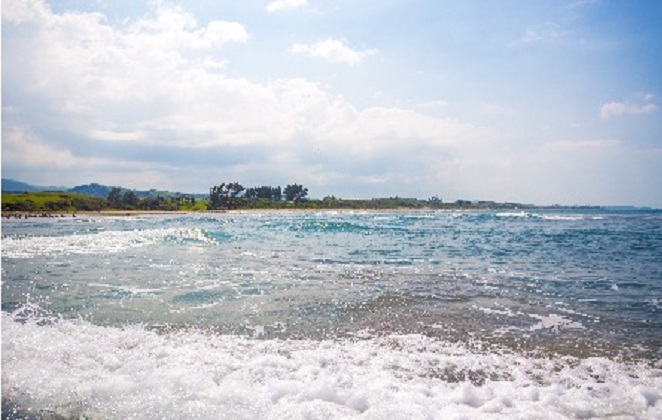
51, 201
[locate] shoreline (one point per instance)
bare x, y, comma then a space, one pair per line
59, 214
129, 213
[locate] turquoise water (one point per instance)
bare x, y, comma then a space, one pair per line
569, 286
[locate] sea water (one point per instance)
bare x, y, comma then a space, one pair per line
322, 315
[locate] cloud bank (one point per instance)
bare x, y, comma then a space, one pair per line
332, 50
616, 109
171, 99
136, 96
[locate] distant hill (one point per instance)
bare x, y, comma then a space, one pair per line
10, 185
98, 190
93, 189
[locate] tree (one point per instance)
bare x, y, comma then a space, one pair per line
224, 196
295, 193
264, 192
215, 196
115, 198
130, 200
435, 201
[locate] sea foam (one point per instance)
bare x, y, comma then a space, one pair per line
98, 243
75, 369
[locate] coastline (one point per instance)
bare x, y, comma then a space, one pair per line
264, 210
56, 214
129, 213
137, 212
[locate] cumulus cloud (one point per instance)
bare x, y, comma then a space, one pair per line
332, 50
615, 109
22, 146
175, 28
277, 5
167, 99
155, 92
25, 11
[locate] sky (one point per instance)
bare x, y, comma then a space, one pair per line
542, 102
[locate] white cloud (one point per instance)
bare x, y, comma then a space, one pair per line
545, 34
25, 11
34, 159
590, 146
593, 171
614, 109
277, 5
221, 32
175, 28
645, 96
333, 50
589, 171
24, 147
112, 135
158, 101
158, 85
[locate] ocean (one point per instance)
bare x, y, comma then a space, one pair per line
535, 314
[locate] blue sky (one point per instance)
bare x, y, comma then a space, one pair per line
513, 100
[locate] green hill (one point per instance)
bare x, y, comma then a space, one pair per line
51, 201
13, 186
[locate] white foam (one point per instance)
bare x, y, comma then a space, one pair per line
523, 214
513, 214
96, 243
127, 289
560, 217
491, 311
555, 322
77, 369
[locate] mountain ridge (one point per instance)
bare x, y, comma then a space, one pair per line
93, 189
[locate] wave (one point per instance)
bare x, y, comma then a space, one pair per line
329, 227
101, 242
75, 369
523, 214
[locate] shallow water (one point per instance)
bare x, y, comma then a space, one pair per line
335, 315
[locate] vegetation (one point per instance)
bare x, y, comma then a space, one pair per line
96, 190
99, 190
233, 195
45, 201
129, 200
226, 196
295, 193
264, 193
66, 202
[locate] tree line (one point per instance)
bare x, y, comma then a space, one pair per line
233, 195
225, 196
129, 200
